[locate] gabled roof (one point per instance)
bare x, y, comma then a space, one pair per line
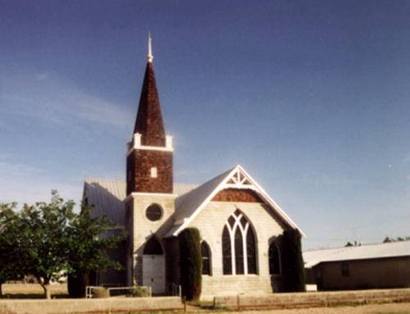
189, 205
370, 251
107, 196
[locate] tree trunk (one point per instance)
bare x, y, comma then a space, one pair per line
47, 289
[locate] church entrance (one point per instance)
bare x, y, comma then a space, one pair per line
153, 266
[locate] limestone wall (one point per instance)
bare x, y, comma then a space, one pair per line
211, 222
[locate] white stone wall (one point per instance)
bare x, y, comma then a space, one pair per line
142, 228
211, 221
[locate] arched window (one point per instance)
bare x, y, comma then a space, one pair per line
274, 259
238, 246
226, 252
153, 247
251, 252
206, 258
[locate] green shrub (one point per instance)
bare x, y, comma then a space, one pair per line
138, 291
190, 263
292, 261
76, 284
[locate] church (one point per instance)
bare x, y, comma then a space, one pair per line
238, 221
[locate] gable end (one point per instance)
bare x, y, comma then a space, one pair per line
237, 195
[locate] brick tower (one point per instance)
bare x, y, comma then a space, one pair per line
150, 200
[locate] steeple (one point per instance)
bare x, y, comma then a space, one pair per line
150, 151
149, 121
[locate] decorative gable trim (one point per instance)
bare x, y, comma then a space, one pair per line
237, 178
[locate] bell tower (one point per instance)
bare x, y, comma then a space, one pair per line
150, 201
150, 151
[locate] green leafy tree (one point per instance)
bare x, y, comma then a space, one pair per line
90, 241
51, 240
10, 260
45, 239
190, 263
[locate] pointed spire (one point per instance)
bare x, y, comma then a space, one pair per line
150, 56
149, 121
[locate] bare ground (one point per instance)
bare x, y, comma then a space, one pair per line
32, 291
396, 308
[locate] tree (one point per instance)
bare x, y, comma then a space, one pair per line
45, 241
190, 263
51, 240
90, 240
10, 261
292, 261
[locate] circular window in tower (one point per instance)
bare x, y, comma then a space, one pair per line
154, 212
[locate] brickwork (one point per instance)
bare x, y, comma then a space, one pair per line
236, 195
139, 164
211, 221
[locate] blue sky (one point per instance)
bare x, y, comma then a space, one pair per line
311, 97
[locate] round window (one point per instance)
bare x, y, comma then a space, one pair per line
154, 212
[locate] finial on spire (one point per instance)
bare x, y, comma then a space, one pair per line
150, 56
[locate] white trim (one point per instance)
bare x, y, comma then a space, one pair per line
205, 202
135, 143
134, 194
238, 176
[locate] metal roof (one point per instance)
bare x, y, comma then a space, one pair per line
107, 196
369, 251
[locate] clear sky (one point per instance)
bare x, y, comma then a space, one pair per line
310, 97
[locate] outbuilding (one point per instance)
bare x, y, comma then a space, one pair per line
375, 266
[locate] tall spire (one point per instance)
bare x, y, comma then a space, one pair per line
149, 121
150, 56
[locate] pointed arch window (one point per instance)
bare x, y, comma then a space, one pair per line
226, 252
153, 247
274, 259
238, 246
206, 258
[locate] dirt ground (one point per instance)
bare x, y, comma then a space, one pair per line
35, 291
25, 291
390, 308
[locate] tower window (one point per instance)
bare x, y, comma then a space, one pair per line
154, 172
154, 212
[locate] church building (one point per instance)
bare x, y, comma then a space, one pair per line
238, 221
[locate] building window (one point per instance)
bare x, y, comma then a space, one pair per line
206, 258
274, 259
345, 269
154, 212
153, 247
154, 172
238, 246
251, 252
226, 252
